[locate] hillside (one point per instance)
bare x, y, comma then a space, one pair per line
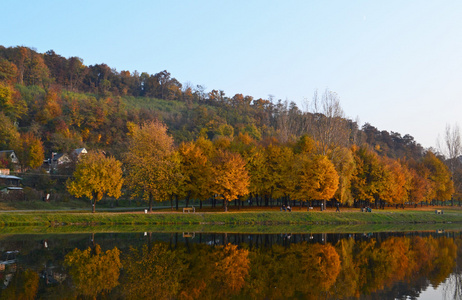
51, 104
69, 105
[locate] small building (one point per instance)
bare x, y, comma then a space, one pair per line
61, 159
9, 155
11, 158
10, 181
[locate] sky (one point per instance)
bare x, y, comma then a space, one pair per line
394, 64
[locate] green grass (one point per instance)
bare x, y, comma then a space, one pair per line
47, 218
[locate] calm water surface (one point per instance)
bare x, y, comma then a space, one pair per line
410, 265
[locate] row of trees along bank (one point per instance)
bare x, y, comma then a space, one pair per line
264, 173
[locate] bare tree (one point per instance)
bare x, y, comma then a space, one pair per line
451, 149
329, 126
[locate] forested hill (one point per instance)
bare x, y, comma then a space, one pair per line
66, 105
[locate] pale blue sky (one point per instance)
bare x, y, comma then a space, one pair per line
394, 64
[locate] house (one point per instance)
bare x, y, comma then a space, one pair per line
10, 158
9, 155
61, 159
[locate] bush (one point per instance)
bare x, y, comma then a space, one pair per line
31, 194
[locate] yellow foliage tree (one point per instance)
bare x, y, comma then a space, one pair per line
30, 151
440, 176
395, 184
152, 163
230, 177
317, 178
95, 176
345, 167
195, 167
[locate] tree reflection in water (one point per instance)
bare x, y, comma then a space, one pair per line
395, 266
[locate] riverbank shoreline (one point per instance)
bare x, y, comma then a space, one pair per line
241, 218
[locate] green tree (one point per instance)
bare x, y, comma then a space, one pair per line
152, 163
95, 176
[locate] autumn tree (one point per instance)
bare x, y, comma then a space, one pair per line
93, 271
30, 151
152, 163
396, 185
440, 176
95, 176
370, 177
316, 178
420, 186
8, 71
11, 104
254, 156
277, 180
195, 168
230, 177
9, 135
345, 166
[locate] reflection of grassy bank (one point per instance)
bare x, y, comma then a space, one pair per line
417, 218
243, 229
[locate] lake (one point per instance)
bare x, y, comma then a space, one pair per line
188, 265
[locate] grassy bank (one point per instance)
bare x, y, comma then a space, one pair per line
230, 218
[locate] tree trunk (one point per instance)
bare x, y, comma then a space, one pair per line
176, 200
150, 202
225, 204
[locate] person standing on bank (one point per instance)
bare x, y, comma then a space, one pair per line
338, 207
